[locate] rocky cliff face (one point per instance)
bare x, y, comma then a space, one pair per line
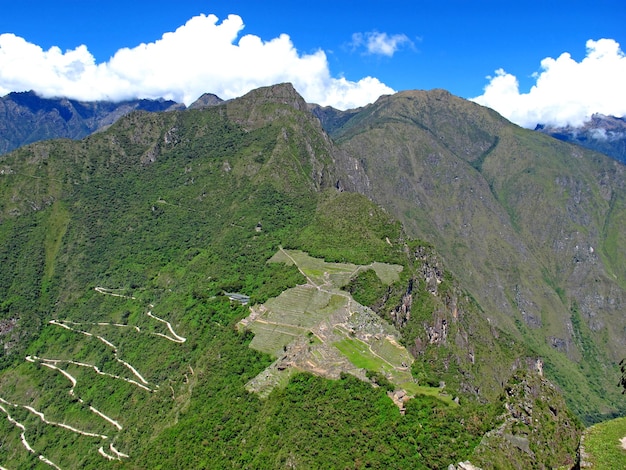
331, 118
456, 347
534, 414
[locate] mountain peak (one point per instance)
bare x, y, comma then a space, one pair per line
283, 93
28, 117
205, 101
246, 110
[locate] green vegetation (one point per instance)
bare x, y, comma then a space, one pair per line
360, 355
166, 212
528, 226
603, 444
531, 403
361, 232
355, 424
171, 210
117, 252
367, 287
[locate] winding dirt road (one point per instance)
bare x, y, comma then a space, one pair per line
111, 453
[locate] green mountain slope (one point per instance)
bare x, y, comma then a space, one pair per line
531, 226
121, 348
165, 212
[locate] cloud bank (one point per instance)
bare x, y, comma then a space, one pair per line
201, 56
566, 92
376, 43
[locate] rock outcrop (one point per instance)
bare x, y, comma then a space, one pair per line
535, 414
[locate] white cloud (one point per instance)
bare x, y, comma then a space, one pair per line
380, 43
599, 134
201, 56
565, 91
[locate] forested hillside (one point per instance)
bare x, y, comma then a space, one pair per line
155, 273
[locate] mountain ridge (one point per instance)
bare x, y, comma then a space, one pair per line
454, 149
170, 210
25, 117
604, 134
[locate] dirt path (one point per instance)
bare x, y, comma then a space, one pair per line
42, 417
117, 455
104, 290
309, 280
97, 370
100, 323
51, 365
67, 375
346, 319
176, 338
18, 425
107, 343
108, 452
25, 443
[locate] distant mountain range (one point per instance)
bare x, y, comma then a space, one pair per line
605, 134
26, 117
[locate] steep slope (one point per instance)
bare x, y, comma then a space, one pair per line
161, 212
145, 188
603, 445
531, 403
26, 117
528, 224
205, 101
119, 347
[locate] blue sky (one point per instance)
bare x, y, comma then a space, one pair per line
339, 53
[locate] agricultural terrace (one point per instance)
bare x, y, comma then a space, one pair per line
319, 328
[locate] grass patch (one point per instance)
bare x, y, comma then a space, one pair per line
393, 352
360, 355
414, 389
602, 444
388, 273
